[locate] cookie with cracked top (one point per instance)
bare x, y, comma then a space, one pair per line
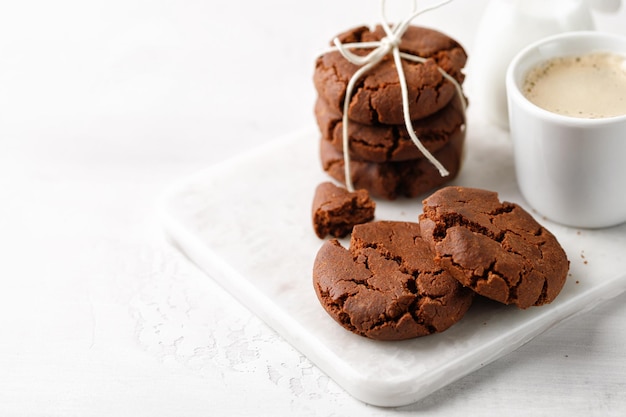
390, 143
495, 248
391, 180
377, 97
336, 210
386, 286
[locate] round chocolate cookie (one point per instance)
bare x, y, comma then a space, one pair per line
387, 286
393, 179
495, 248
384, 143
377, 96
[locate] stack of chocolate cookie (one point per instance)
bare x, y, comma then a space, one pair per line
383, 158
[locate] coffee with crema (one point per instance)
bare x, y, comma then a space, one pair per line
586, 86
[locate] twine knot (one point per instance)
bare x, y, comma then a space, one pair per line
390, 41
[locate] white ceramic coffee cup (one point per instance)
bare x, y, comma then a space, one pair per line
571, 170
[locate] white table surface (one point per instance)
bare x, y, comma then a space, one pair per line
103, 105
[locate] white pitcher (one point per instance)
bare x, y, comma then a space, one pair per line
506, 27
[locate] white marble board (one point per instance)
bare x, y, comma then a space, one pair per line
246, 223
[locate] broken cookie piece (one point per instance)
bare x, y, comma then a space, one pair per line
495, 248
336, 210
387, 286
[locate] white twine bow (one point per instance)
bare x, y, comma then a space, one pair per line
389, 43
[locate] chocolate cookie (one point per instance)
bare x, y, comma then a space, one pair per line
377, 97
496, 249
336, 210
393, 179
384, 143
387, 286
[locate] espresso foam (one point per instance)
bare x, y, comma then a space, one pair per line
587, 86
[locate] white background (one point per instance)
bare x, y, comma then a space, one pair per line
103, 104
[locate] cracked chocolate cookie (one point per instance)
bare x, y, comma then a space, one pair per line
387, 286
390, 143
336, 210
377, 97
393, 179
495, 248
